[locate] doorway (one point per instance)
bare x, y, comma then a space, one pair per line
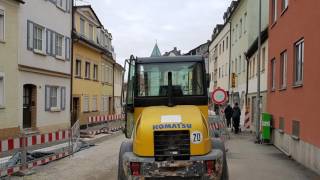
29, 106
76, 109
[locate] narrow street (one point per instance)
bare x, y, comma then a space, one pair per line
246, 160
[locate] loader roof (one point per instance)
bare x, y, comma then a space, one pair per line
164, 59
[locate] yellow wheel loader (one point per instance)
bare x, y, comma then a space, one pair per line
166, 111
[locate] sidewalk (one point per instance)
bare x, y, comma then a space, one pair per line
247, 160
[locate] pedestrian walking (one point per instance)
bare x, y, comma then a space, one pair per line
228, 114
236, 113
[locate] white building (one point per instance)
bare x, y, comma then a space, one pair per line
219, 53
44, 65
244, 20
252, 56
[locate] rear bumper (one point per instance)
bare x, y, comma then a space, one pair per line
195, 167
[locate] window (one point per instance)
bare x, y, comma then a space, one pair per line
296, 129
284, 5
94, 103
236, 33
245, 23
90, 31
87, 74
53, 96
240, 28
95, 72
235, 66
254, 66
283, 69
281, 123
37, 37
219, 72
222, 71
273, 74
82, 26
226, 71
244, 64
58, 45
78, 68
104, 104
2, 95
263, 59
158, 77
227, 42
219, 49
2, 25
274, 11
85, 103
223, 46
239, 67
298, 64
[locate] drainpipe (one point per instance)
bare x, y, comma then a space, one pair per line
71, 59
247, 79
230, 46
113, 108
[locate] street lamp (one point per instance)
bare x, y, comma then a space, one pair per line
258, 112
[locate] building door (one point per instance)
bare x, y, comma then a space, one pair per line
253, 109
29, 105
110, 106
76, 109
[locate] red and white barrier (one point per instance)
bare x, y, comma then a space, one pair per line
247, 122
16, 143
105, 118
216, 125
11, 170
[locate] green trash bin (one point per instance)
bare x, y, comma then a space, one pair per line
266, 127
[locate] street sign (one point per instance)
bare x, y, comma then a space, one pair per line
219, 96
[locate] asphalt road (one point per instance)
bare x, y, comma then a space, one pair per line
246, 160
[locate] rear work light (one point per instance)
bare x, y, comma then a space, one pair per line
135, 168
210, 165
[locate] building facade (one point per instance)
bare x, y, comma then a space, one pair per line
173, 52
92, 66
118, 79
293, 83
9, 45
201, 50
44, 65
243, 16
252, 78
219, 56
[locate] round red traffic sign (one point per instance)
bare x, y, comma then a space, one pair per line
219, 96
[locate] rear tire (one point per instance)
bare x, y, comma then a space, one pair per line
218, 144
126, 146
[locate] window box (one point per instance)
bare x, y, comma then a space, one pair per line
60, 58
295, 137
55, 109
36, 51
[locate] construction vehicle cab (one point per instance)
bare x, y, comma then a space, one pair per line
166, 118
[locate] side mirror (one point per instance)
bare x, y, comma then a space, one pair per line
208, 78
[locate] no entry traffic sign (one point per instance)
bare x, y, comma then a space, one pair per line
219, 96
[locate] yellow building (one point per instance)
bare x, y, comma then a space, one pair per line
92, 66
9, 42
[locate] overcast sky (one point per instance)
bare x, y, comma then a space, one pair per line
137, 24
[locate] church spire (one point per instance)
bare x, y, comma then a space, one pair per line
156, 52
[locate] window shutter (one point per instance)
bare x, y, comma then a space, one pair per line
53, 44
47, 98
30, 35
48, 42
67, 45
68, 5
63, 98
